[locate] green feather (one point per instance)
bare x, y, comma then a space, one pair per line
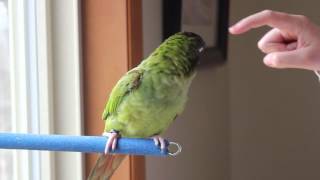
125, 85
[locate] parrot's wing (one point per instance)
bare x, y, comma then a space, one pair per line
125, 85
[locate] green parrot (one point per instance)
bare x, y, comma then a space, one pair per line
149, 97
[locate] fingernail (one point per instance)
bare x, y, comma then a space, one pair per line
292, 46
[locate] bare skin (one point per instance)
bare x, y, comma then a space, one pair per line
293, 41
111, 142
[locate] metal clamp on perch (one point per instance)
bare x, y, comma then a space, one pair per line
85, 144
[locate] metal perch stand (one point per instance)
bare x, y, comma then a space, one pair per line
85, 144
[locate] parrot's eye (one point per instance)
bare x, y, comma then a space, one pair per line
201, 49
200, 44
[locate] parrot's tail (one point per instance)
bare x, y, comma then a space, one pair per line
105, 166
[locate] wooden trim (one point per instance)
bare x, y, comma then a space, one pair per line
135, 48
112, 44
137, 168
135, 53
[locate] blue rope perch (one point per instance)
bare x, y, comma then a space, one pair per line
85, 144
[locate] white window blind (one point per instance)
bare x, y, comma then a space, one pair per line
46, 89
6, 156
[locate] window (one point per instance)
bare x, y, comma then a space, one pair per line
6, 156
44, 91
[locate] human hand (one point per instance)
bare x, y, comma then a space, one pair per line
294, 41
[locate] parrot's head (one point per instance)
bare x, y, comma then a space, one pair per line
180, 52
186, 47
196, 43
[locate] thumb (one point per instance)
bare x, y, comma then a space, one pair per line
286, 59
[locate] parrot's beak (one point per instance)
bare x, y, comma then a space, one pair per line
202, 47
201, 44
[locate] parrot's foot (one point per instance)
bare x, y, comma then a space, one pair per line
158, 140
112, 141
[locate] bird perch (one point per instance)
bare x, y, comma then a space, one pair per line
85, 144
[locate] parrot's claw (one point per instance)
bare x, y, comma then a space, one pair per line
158, 140
112, 141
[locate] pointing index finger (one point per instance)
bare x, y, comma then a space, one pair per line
282, 21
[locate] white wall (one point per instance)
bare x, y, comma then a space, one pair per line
202, 129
